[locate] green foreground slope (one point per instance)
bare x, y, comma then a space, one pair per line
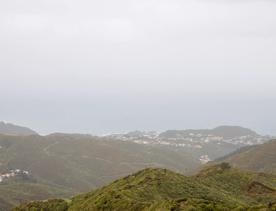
218, 187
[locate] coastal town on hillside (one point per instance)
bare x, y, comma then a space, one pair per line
190, 140
206, 146
12, 174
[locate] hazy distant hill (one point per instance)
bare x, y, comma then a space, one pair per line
218, 187
10, 129
226, 132
232, 131
256, 158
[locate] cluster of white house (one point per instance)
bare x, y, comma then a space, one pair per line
194, 140
12, 173
204, 159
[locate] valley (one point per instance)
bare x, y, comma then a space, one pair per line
35, 167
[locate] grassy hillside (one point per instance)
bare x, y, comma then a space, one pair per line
215, 188
260, 158
84, 162
78, 163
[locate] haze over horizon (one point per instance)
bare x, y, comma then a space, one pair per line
103, 67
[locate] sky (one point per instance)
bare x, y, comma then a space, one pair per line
114, 66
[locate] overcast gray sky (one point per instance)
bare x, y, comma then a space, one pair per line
112, 66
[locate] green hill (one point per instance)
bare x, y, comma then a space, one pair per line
218, 187
76, 163
84, 162
260, 158
63, 165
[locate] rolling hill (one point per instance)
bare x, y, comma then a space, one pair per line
83, 162
76, 163
61, 165
219, 187
260, 158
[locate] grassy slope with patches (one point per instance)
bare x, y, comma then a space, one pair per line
218, 187
260, 158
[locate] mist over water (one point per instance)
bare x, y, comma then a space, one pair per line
108, 67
